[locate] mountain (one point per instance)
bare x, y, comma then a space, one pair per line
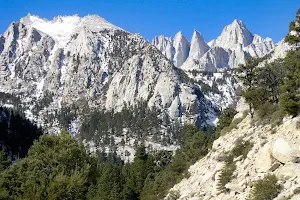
210, 64
176, 50
260, 46
235, 40
165, 45
198, 45
233, 35
181, 46
80, 73
64, 69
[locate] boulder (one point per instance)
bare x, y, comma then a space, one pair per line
234, 187
287, 185
289, 170
295, 197
282, 151
195, 198
239, 158
263, 160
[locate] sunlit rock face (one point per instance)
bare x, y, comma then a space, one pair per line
87, 60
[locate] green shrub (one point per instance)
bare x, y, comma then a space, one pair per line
269, 113
297, 190
225, 119
234, 123
226, 176
232, 126
242, 148
266, 110
265, 189
276, 117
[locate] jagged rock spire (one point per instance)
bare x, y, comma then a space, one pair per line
198, 45
234, 34
182, 47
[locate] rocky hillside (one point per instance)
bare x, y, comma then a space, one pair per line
269, 150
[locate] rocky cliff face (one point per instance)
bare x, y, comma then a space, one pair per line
236, 42
198, 45
275, 151
218, 57
233, 35
177, 49
165, 45
181, 46
89, 64
2, 41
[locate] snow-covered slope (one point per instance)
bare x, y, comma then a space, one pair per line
89, 64
61, 28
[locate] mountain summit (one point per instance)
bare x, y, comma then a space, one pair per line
227, 51
198, 45
181, 46
61, 28
234, 34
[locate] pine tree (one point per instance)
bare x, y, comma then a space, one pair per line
225, 120
109, 184
270, 79
290, 98
4, 160
293, 36
247, 74
57, 167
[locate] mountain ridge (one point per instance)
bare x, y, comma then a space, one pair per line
59, 78
235, 39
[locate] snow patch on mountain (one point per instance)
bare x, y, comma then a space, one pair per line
62, 28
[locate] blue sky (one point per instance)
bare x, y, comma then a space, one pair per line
155, 17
